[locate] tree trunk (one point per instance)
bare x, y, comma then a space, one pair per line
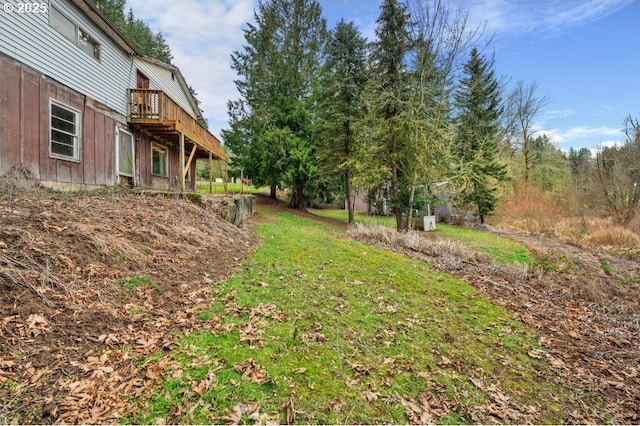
412, 193
297, 199
272, 193
349, 196
395, 196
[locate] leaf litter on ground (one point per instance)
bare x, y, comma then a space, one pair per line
136, 367
371, 337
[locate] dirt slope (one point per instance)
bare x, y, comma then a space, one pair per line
88, 282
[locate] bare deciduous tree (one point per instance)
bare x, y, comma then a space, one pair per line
523, 106
619, 174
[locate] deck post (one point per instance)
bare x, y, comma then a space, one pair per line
182, 165
223, 176
188, 162
210, 172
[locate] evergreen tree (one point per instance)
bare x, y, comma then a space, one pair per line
550, 169
476, 146
271, 127
427, 119
580, 162
385, 137
145, 40
135, 30
250, 136
114, 11
340, 107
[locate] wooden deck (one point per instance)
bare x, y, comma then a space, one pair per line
162, 117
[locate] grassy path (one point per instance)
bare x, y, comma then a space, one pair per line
316, 328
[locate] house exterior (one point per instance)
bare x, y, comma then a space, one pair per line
81, 108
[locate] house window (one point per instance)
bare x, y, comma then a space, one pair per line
75, 34
65, 133
88, 44
158, 160
125, 153
63, 25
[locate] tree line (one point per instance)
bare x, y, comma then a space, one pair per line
322, 112
329, 114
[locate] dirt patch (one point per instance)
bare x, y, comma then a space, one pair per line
91, 284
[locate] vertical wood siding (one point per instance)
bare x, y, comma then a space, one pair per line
143, 164
9, 116
24, 130
38, 64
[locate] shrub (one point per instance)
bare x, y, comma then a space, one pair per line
532, 211
615, 236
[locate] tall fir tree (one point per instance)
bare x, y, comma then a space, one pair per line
339, 103
255, 150
114, 11
581, 164
136, 30
271, 127
142, 36
476, 145
386, 97
428, 122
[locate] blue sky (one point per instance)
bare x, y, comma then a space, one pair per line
583, 54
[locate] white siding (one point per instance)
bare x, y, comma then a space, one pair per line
30, 39
160, 78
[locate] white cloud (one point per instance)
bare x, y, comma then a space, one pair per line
585, 132
583, 136
202, 35
558, 113
516, 17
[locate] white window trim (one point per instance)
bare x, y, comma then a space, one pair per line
77, 136
166, 163
133, 153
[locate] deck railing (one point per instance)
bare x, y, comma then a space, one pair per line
147, 106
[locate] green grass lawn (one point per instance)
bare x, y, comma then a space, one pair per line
502, 250
317, 328
218, 188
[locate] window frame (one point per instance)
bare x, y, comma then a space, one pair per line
163, 149
86, 43
76, 137
133, 152
81, 37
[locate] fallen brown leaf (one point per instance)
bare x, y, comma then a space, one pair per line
251, 371
360, 370
290, 412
